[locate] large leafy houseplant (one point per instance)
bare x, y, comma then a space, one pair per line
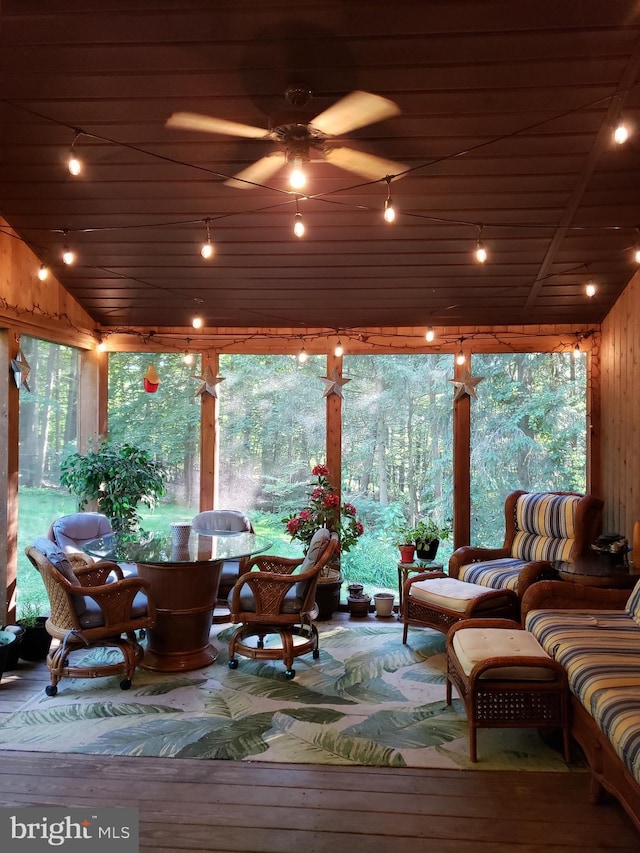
118, 477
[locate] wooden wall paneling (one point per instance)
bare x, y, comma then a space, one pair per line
9, 440
594, 419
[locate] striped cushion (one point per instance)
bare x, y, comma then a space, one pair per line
633, 603
545, 526
496, 574
600, 651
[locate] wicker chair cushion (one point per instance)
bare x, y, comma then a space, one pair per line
496, 574
633, 603
93, 616
221, 520
545, 527
474, 645
59, 559
71, 532
451, 594
319, 542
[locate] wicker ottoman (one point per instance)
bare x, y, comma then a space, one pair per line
506, 679
434, 600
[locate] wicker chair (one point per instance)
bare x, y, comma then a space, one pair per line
91, 605
541, 529
231, 521
277, 599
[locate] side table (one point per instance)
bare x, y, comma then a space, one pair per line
405, 569
591, 571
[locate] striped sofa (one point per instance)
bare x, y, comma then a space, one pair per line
541, 528
599, 648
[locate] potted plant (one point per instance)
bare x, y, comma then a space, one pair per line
403, 538
118, 477
427, 535
324, 509
36, 640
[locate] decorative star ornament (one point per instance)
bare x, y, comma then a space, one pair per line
21, 370
334, 383
208, 383
466, 384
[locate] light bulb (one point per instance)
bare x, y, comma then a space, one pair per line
590, 289
74, 164
339, 350
43, 273
207, 250
297, 178
430, 335
68, 257
576, 351
481, 252
197, 322
188, 358
621, 133
101, 346
298, 226
461, 358
389, 211
637, 255
302, 355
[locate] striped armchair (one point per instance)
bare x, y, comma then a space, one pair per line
540, 529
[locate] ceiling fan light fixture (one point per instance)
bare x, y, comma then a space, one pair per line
298, 225
297, 178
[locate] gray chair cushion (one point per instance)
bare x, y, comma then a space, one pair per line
71, 532
59, 559
223, 520
319, 542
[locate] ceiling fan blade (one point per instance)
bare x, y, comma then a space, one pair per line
354, 110
208, 124
258, 172
367, 165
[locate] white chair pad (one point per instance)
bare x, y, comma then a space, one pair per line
474, 645
450, 593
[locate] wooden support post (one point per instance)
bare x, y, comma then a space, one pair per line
209, 439
334, 428
93, 397
9, 438
461, 467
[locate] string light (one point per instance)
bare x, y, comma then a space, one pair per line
188, 358
636, 251
74, 164
68, 256
461, 357
339, 350
102, 346
297, 178
43, 273
197, 322
481, 252
298, 224
590, 289
207, 249
389, 210
620, 127
576, 349
430, 334
302, 355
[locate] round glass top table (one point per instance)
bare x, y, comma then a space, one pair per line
184, 580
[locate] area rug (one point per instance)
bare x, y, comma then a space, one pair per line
368, 700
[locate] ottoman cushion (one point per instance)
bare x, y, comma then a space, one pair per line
474, 645
452, 594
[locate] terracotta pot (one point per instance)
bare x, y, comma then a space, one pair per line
407, 553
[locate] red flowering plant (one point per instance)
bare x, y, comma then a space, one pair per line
324, 510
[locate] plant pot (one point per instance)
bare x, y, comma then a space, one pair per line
7, 640
328, 596
35, 641
358, 605
429, 553
384, 604
13, 649
407, 553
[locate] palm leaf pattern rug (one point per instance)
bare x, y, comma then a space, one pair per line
368, 700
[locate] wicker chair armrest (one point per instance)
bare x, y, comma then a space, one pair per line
468, 554
537, 570
526, 661
96, 574
563, 595
115, 600
421, 576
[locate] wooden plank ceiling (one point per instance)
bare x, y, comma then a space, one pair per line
505, 122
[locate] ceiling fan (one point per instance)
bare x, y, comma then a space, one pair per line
298, 133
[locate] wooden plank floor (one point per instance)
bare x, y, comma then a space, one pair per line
194, 805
